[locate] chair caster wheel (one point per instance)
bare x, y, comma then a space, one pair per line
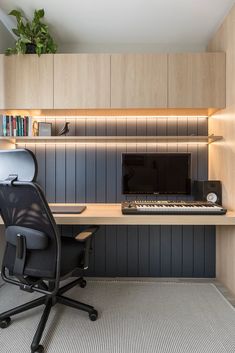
39, 349
82, 283
93, 315
5, 322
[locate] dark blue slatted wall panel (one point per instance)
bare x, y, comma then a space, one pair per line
79, 173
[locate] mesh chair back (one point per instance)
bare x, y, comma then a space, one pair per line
23, 204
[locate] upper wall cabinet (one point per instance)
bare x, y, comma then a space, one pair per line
196, 80
81, 81
26, 82
139, 81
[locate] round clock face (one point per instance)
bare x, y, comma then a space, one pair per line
212, 197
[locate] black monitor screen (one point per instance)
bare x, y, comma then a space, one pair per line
156, 173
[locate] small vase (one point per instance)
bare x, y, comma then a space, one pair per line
30, 48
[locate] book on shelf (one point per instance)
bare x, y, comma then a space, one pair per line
13, 126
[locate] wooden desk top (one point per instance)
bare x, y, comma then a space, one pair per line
110, 214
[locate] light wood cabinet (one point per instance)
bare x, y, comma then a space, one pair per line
139, 81
26, 82
81, 81
196, 80
103, 81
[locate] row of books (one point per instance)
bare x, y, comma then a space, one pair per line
15, 125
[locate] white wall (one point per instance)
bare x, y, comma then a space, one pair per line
6, 39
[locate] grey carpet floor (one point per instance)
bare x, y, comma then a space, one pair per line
135, 317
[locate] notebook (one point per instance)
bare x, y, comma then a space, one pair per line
76, 209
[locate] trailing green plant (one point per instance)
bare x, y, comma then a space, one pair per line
33, 36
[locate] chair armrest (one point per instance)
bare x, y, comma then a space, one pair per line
86, 234
85, 237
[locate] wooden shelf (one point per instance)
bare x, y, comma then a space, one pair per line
112, 139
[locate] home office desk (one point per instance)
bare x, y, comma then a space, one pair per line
139, 252
110, 214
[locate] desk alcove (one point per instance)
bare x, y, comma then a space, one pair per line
158, 246
191, 237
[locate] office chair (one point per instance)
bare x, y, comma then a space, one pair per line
36, 258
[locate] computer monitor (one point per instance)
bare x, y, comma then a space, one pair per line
156, 173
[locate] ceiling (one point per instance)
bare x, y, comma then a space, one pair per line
167, 24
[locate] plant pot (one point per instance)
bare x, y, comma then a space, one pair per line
30, 48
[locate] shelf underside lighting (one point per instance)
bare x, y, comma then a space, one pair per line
118, 113
110, 143
113, 140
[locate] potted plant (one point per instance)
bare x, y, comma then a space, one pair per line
33, 36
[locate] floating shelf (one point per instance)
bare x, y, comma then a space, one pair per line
112, 139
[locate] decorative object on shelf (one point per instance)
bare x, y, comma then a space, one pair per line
33, 36
35, 128
44, 129
65, 130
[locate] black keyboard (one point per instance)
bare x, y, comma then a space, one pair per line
172, 208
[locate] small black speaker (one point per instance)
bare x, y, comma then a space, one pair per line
208, 190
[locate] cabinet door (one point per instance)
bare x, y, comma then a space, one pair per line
81, 81
139, 81
196, 80
27, 82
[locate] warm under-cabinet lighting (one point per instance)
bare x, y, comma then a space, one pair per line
113, 117
110, 143
107, 113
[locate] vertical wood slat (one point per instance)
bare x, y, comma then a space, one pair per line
93, 174
70, 170
101, 167
90, 173
80, 173
199, 251
100, 251
202, 170
60, 174
40, 152
51, 174
177, 251
132, 251
111, 251
122, 250
111, 175
154, 251
80, 127
210, 251
166, 249
143, 245
187, 251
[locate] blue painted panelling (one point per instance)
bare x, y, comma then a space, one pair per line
82, 173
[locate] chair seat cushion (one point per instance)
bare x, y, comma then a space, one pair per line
39, 265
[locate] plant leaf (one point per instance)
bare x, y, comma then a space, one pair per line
16, 32
41, 13
10, 51
16, 13
34, 32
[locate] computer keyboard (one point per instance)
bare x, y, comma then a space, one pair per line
172, 208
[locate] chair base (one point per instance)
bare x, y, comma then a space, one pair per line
49, 302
